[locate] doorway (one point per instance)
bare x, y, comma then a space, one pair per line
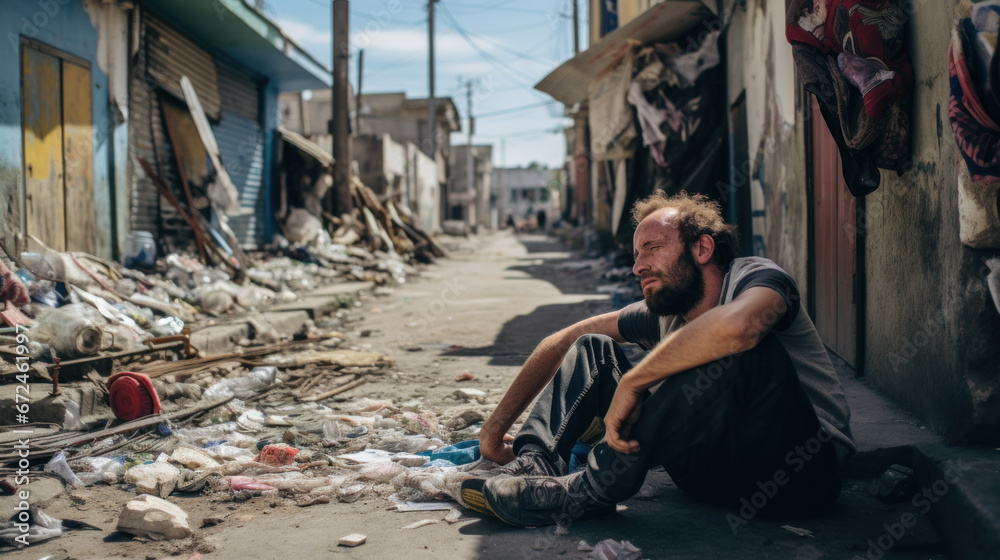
835, 248
58, 149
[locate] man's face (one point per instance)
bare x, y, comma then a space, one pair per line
672, 281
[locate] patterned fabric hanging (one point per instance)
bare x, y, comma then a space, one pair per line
851, 55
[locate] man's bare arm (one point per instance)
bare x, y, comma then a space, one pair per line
536, 373
721, 331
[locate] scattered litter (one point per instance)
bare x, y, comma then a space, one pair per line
455, 516
611, 549
107, 470
582, 546
798, 531
158, 478
467, 394
41, 527
424, 506
132, 395
192, 458
421, 523
237, 483
154, 518
896, 484
277, 455
57, 465
352, 540
466, 376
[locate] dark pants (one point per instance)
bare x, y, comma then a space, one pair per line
739, 427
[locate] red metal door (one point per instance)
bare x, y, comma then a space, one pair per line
835, 250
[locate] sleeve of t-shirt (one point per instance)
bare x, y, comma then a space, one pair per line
639, 325
779, 281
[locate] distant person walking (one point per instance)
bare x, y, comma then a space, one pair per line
541, 217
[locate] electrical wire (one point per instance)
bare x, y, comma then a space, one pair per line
510, 110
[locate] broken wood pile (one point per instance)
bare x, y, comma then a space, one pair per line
384, 226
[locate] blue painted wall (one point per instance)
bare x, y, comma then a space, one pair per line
66, 26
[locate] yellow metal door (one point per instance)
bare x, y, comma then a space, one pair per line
41, 99
78, 152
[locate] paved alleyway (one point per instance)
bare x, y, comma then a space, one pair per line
510, 294
483, 311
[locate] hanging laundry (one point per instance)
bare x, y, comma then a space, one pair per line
973, 107
612, 132
851, 55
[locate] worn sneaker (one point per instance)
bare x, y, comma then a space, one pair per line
531, 463
541, 500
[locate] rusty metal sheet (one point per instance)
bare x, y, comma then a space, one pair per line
41, 98
666, 21
78, 152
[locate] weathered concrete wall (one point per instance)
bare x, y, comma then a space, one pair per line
64, 25
760, 63
931, 326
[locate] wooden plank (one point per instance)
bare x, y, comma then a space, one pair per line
229, 197
41, 98
78, 152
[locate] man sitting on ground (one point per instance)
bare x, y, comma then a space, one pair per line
737, 392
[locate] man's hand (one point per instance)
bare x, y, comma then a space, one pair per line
622, 414
501, 452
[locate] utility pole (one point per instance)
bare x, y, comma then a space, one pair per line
576, 26
431, 102
504, 197
357, 96
469, 160
339, 122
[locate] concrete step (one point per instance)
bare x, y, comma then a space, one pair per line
959, 488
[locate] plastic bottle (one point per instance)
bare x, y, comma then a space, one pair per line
140, 250
243, 387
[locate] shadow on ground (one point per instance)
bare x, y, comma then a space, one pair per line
665, 523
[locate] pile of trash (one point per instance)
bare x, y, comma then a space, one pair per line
275, 431
81, 305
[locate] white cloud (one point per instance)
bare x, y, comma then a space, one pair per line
304, 33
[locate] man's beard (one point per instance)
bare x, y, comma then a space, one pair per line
685, 292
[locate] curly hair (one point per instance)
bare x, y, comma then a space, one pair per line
697, 215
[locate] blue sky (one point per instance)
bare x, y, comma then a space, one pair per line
514, 44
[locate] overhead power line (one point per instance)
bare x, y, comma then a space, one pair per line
510, 110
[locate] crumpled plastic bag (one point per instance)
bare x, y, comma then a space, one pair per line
40, 527
58, 466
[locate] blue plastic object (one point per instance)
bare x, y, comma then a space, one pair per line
453, 455
578, 456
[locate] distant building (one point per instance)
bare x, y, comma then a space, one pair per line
523, 191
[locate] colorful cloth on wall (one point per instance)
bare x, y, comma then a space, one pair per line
851, 55
974, 107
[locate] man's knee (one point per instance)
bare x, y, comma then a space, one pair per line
595, 341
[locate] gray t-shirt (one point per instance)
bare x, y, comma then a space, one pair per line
795, 331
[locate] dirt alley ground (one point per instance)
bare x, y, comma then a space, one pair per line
482, 311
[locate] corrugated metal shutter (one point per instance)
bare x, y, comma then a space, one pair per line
144, 199
171, 55
242, 147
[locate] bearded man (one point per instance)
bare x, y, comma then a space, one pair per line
737, 397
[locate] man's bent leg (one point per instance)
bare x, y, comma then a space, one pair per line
721, 429
580, 391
